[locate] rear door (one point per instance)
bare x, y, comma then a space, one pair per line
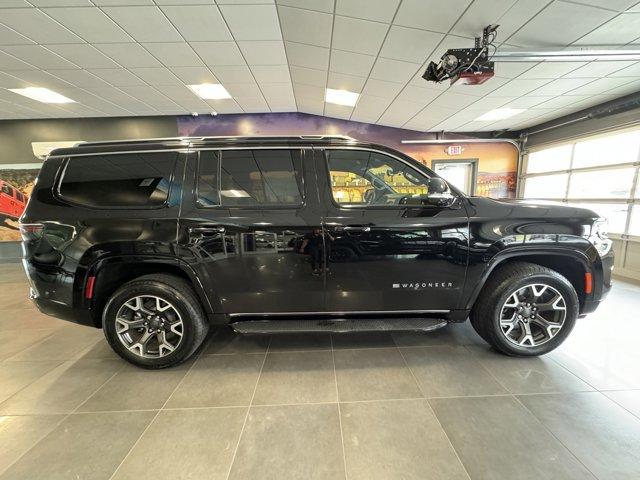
388, 252
242, 226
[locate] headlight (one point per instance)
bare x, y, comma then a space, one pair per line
599, 236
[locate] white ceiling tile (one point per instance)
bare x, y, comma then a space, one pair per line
351, 63
271, 73
308, 91
37, 26
11, 37
283, 107
630, 71
128, 54
381, 89
145, 24
305, 26
356, 35
618, 5
310, 105
277, 91
9, 62
83, 55
518, 87
430, 14
188, 2
253, 104
479, 90
89, 23
243, 90
480, 14
560, 86
225, 106
552, 26
393, 70
560, 101
177, 92
174, 54
80, 78
419, 95
317, 5
107, 3
485, 104
233, 74
14, 4
598, 69
118, 77
377, 10
308, 56
40, 78
602, 85
410, 44
38, 56
194, 75
550, 69
632, 87
370, 108
252, 22
157, 76
512, 69
263, 52
619, 30
337, 111
339, 81
453, 100
198, 23
524, 102
219, 53
309, 76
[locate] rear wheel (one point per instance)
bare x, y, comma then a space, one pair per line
154, 321
525, 309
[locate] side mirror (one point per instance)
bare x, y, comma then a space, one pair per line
439, 193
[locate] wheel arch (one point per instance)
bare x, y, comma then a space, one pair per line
572, 264
112, 272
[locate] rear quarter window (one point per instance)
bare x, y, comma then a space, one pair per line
133, 180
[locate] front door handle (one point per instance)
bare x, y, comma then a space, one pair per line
206, 230
353, 228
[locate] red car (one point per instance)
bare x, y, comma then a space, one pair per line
12, 201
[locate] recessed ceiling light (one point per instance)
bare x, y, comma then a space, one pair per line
210, 91
43, 95
341, 97
499, 114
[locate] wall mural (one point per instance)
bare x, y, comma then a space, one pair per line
16, 183
495, 164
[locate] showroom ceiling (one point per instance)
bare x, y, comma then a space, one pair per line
135, 57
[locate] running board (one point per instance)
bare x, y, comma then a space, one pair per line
339, 325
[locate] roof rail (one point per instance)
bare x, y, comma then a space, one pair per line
218, 137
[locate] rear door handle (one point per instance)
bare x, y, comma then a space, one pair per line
353, 228
206, 230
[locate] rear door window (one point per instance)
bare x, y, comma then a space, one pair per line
133, 180
251, 178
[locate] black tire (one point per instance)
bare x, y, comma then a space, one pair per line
485, 315
182, 297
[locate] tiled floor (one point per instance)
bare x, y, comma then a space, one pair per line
368, 406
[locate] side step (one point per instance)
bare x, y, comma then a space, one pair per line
338, 325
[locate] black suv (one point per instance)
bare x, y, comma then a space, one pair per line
154, 240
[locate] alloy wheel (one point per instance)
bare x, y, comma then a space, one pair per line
533, 315
149, 326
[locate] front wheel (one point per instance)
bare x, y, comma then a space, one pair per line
154, 321
525, 310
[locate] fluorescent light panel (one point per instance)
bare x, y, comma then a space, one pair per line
341, 97
210, 91
499, 114
43, 95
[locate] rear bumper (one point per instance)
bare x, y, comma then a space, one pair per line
62, 311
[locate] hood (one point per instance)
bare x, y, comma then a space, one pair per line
539, 209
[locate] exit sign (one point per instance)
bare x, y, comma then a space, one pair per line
454, 150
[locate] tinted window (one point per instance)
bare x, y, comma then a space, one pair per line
363, 178
127, 180
249, 178
7, 189
19, 196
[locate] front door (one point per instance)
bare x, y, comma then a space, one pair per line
388, 252
243, 226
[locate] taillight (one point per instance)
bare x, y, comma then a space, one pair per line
31, 231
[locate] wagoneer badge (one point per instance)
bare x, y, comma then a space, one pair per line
421, 285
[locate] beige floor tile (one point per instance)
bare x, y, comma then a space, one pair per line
225, 340
630, 400
603, 435
193, 444
87, 446
373, 374
449, 371
62, 389
497, 438
290, 442
19, 434
63, 344
219, 381
15, 376
397, 439
362, 340
452, 334
300, 342
296, 377
13, 342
